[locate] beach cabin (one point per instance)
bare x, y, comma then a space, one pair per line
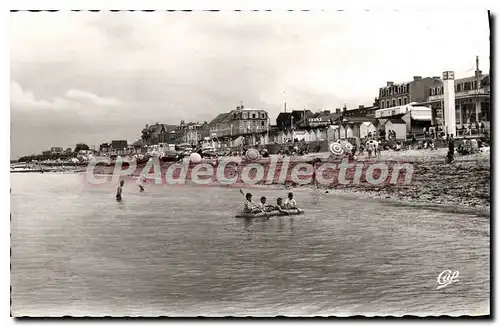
300, 135
346, 131
398, 126
366, 128
332, 133
414, 116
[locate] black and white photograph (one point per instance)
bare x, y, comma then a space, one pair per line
244, 163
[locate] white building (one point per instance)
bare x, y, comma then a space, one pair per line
414, 116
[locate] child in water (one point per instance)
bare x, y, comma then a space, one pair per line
119, 191
290, 203
279, 206
142, 180
249, 206
262, 204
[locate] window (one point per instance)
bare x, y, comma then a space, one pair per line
393, 102
244, 115
405, 100
387, 104
253, 116
263, 123
459, 88
433, 91
400, 101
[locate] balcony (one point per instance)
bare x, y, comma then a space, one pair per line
463, 94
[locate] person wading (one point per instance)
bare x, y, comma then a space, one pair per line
119, 191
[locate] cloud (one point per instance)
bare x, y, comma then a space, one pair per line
92, 99
75, 100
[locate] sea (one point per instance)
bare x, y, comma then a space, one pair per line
179, 251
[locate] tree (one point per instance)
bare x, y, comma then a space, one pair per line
81, 146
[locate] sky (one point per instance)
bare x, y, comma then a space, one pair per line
96, 77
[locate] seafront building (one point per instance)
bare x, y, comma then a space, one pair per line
400, 94
242, 126
408, 108
160, 133
472, 100
469, 97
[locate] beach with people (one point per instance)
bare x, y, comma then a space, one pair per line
431, 180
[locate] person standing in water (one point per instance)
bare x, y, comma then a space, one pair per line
142, 181
119, 191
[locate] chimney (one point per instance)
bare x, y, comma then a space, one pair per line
390, 83
337, 111
417, 78
361, 106
326, 112
436, 77
242, 107
238, 108
344, 109
478, 73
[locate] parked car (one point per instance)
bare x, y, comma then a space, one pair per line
170, 156
209, 154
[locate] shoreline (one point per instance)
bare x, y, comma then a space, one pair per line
464, 184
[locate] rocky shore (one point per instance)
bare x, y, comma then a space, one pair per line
466, 182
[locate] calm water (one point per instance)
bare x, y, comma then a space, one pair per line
178, 251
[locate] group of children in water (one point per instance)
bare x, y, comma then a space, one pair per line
251, 207
248, 207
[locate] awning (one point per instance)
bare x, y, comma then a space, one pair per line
239, 141
421, 115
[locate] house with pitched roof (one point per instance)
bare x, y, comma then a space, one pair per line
249, 123
160, 133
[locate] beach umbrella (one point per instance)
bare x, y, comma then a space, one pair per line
336, 149
252, 154
346, 146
